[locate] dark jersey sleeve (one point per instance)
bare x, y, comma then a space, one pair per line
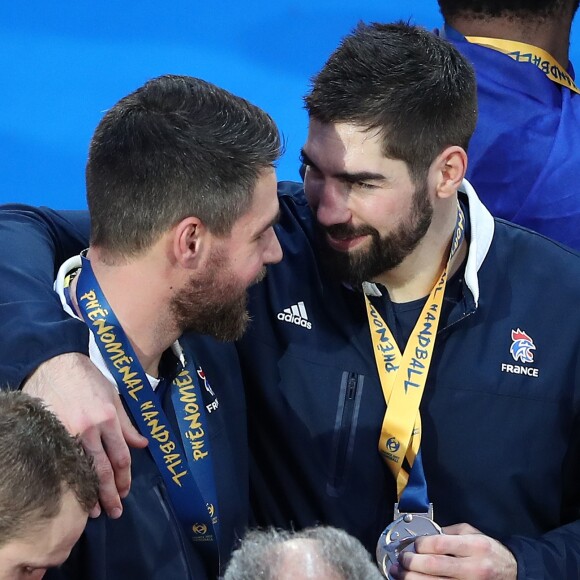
553, 556
33, 326
556, 554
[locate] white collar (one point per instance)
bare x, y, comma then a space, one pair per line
59, 287
482, 228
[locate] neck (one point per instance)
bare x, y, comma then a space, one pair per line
416, 276
550, 34
132, 289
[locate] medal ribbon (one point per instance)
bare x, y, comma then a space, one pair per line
522, 52
403, 378
188, 476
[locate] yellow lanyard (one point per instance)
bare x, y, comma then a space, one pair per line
522, 52
403, 376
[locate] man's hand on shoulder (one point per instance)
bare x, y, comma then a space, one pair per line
461, 553
89, 406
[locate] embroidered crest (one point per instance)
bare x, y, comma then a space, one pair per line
522, 346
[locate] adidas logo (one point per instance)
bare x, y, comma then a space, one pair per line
296, 314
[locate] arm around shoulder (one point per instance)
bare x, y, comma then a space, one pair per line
34, 327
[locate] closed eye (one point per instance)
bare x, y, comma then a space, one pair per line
365, 185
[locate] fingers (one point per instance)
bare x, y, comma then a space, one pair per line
457, 529
431, 566
96, 511
471, 556
87, 403
447, 544
108, 494
433, 557
116, 436
130, 434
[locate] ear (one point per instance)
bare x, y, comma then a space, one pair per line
451, 166
189, 242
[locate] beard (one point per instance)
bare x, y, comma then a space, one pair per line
385, 252
214, 303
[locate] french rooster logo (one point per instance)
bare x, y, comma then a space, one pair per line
522, 346
201, 375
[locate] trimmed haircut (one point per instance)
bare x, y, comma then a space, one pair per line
531, 10
260, 554
176, 147
413, 87
39, 462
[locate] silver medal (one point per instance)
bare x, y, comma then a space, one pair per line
400, 536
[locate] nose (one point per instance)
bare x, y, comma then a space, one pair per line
273, 253
329, 201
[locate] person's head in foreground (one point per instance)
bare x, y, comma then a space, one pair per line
321, 553
47, 487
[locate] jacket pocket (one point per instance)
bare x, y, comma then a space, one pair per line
345, 424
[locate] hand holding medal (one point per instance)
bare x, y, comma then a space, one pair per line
403, 377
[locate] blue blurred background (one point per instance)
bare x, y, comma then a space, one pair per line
65, 63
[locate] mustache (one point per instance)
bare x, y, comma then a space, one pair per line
345, 231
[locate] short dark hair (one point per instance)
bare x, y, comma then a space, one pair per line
178, 146
259, 554
39, 462
531, 10
411, 85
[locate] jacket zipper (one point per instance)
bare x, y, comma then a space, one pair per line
161, 494
344, 434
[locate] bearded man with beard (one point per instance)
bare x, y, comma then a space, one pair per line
418, 382
411, 361
181, 190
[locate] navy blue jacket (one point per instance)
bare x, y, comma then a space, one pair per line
147, 542
501, 437
501, 450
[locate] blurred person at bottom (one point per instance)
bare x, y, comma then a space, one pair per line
47, 488
319, 553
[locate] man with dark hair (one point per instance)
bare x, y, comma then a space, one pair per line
399, 291
47, 488
524, 158
315, 553
181, 190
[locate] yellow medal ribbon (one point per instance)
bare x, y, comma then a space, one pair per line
403, 376
522, 52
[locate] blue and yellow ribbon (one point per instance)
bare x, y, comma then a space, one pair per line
187, 471
403, 378
522, 52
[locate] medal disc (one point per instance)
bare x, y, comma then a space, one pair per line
400, 536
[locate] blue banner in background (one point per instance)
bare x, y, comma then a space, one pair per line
64, 63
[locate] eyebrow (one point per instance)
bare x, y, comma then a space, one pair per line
347, 176
271, 223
